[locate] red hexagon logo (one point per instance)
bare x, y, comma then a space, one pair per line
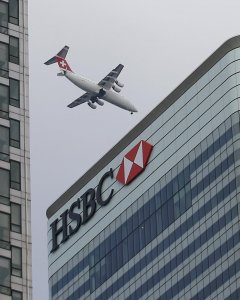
134, 162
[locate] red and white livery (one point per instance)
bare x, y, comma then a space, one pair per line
107, 89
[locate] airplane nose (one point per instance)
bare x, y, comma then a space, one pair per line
134, 109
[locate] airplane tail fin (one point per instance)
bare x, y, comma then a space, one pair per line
60, 59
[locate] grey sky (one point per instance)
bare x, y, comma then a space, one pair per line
159, 42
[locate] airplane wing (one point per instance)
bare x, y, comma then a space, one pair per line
84, 98
109, 80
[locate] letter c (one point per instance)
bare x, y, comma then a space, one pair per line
100, 201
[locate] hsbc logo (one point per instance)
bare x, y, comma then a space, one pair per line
134, 162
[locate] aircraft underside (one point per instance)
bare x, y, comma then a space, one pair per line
107, 89
99, 93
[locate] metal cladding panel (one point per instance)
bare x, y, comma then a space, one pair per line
198, 111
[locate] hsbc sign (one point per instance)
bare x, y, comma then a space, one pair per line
133, 163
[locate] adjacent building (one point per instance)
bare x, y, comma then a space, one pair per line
15, 234
157, 217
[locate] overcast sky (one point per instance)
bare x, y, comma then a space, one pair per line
159, 42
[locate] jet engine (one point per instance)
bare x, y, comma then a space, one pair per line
120, 84
116, 88
99, 102
92, 105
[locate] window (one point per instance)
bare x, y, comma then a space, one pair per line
3, 60
4, 101
14, 133
14, 92
16, 218
15, 182
16, 261
4, 186
4, 143
16, 295
4, 230
14, 50
5, 275
14, 12
3, 17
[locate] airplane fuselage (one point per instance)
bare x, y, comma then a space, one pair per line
109, 95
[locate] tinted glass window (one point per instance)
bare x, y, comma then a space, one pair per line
14, 11
3, 60
4, 275
4, 186
4, 230
15, 175
16, 217
4, 101
4, 143
16, 295
17, 261
14, 92
14, 50
3, 17
14, 133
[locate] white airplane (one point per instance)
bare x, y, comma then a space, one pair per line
107, 89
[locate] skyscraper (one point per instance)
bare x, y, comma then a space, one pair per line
15, 233
157, 217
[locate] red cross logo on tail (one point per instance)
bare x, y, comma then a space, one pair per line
62, 63
134, 162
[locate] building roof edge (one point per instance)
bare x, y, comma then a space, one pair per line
229, 45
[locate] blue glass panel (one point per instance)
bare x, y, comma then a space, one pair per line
149, 230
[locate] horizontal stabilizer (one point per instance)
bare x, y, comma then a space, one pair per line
62, 53
51, 61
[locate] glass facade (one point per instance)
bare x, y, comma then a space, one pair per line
201, 185
15, 199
